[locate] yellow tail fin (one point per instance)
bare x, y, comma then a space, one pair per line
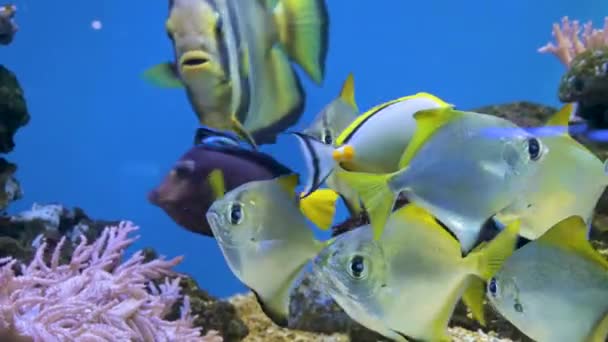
303, 30
320, 207
489, 259
375, 194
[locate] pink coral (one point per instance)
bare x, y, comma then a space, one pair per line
571, 41
94, 297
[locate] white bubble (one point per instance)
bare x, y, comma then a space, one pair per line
96, 25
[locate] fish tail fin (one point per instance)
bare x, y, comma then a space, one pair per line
488, 259
473, 297
375, 193
319, 161
242, 132
303, 27
320, 207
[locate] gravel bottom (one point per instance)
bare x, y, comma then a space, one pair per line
262, 329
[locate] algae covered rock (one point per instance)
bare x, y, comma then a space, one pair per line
13, 109
10, 188
586, 82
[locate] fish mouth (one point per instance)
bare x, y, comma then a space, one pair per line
194, 60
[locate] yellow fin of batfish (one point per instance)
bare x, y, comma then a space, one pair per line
600, 331
347, 94
361, 119
428, 121
320, 207
163, 75
570, 234
375, 194
486, 261
216, 182
289, 183
411, 210
439, 325
473, 298
562, 117
303, 30
280, 100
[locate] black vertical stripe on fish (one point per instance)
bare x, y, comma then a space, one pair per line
522, 241
407, 337
487, 232
314, 161
369, 116
275, 317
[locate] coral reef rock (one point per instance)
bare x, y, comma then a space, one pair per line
10, 189
586, 83
13, 109
8, 27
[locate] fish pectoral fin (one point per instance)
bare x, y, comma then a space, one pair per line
243, 133
487, 260
279, 98
320, 207
163, 75
473, 298
570, 234
428, 121
600, 331
347, 94
303, 29
375, 193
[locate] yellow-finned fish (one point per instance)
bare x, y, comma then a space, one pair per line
569, 181
555, 288
233, 58
326, 127
265, 238
463, 167
373, 142
406, 285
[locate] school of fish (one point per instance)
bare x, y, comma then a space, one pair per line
495, 212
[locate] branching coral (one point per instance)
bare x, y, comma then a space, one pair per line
94, 297
571, 41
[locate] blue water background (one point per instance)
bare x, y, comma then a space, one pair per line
100, 137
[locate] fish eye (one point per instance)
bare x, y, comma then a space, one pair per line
534, 148
357, 268
492, 287
327, 139
236, 213
183, 169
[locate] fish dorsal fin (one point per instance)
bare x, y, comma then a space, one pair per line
347, 94
428, 121
216, 182
570, 234
562, 117
289, 183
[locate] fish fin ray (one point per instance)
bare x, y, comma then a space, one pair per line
279, 101
571, 234
217, 183
600, 331
320, 207
473, 297
375, 193
318, 159
347, 94
428, 121
303, 27
490, 258
163, 75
